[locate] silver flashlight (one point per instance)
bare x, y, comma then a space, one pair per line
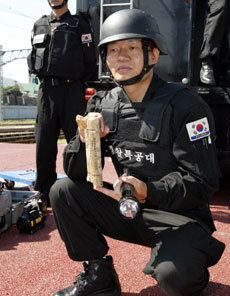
128, 204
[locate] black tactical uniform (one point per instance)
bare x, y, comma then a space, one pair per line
215, 47
167, 141
215, 43
63, 58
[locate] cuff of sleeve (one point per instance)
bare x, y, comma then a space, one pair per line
155, 193
77, 145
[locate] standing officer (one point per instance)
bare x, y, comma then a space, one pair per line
164, 134
63, 58
214, 53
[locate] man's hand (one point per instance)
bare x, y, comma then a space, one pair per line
82, 124
140, 188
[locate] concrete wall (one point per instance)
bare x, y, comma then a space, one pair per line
18, 112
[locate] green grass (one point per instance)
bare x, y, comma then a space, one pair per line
15, 121
62, 141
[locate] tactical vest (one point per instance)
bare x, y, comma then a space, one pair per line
62, 49
141, 139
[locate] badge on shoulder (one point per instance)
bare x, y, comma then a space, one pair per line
198, 129
86, 38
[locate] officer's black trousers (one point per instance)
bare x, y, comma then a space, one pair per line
215, 41
180, 255
57, 108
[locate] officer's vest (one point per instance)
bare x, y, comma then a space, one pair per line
62, 49
142, 144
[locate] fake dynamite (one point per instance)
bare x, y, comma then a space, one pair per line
91, 125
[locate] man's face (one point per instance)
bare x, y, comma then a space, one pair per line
55, 2
125, 58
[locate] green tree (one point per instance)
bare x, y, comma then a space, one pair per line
14, 89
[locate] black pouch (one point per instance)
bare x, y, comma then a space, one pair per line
39, 59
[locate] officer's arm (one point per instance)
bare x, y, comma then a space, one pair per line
74, 161
196, 177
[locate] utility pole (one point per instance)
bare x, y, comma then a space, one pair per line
1, 82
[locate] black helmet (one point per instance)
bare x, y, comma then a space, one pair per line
131, 23
58, 6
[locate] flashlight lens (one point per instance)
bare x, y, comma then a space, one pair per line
129, 208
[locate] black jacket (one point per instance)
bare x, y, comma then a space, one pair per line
63, 47
178, 162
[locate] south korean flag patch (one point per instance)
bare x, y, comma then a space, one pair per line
198, 129
86, 38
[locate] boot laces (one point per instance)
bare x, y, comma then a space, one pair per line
82, 279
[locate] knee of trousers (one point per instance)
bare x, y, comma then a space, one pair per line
66, 194
55, 192
60, 192
175, 282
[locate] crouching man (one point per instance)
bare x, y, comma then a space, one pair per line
164, 134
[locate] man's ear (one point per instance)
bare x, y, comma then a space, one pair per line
154, 56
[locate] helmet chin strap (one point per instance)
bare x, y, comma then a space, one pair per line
146, 68
134, 79
58, 6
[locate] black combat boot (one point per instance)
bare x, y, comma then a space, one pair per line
207, 73
99, 278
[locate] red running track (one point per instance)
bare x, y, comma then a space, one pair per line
37, 264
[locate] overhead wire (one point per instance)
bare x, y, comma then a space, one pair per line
17, 12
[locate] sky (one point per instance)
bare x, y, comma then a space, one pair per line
16, 22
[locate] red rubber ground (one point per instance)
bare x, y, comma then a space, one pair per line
37, 264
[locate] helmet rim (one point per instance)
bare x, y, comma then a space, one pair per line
124, 36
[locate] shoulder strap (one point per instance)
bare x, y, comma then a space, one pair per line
84, 19
110, 110
151, 125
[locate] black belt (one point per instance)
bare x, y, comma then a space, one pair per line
55, 81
